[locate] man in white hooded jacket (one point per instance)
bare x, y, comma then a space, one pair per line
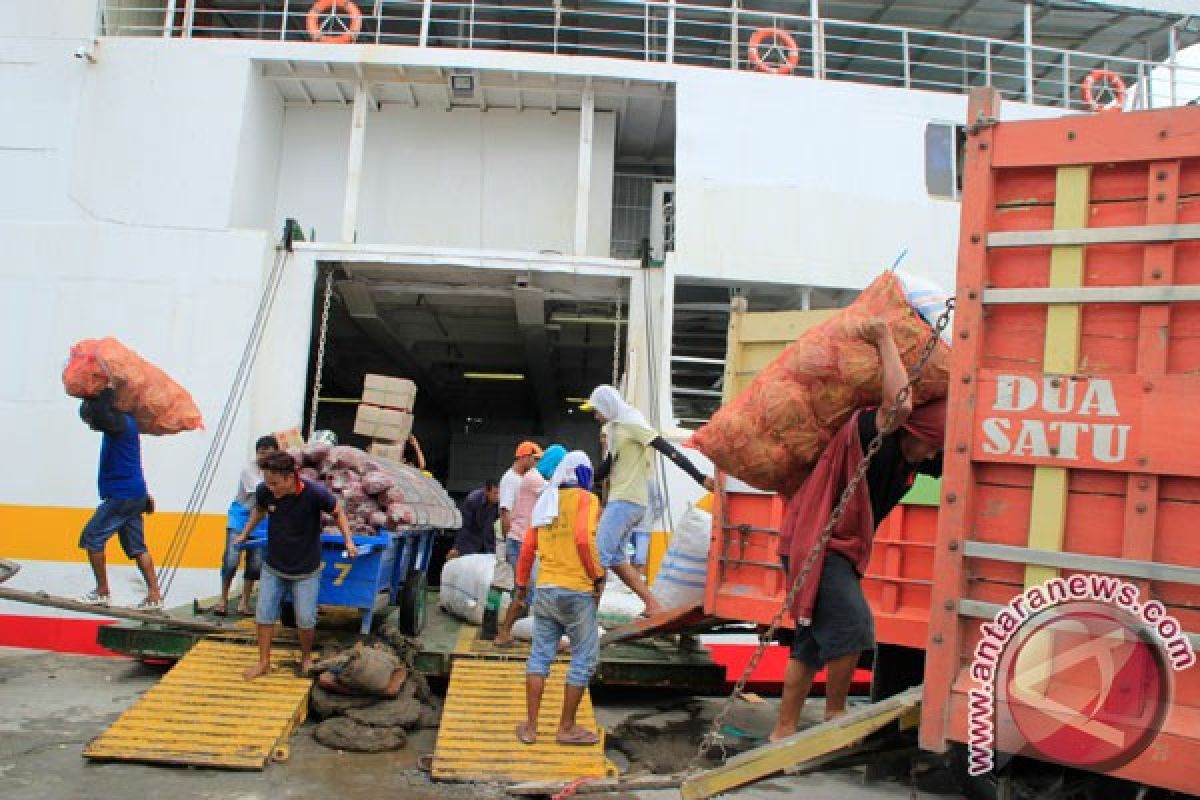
627, 468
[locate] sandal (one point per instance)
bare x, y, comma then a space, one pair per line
581, 737
524, 736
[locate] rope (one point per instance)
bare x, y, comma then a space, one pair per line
208, 469
714, 738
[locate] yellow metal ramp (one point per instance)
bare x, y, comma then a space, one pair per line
477, 740
202, 713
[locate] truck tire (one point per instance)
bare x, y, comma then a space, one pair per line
411, 614
896, 668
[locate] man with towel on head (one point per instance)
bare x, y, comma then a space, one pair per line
627, 468
833, 621
570, 582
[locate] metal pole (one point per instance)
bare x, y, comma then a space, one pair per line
169, 20
354, 161
1172, 53
1066, 78
671, 32
987, 63
283, 25
378, 20
734, 43
423, 36
583, 182
189, 16
907, 64
818, 37
1028, 51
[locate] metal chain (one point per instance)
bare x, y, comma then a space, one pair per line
714, 738
320, 365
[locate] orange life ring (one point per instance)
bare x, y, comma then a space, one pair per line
334, 9
780, 40
1110, 79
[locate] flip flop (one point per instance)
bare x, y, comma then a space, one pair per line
581, 738
523, 737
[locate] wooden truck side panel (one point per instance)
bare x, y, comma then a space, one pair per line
1072, 445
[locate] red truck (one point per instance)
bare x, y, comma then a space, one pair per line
1051, 602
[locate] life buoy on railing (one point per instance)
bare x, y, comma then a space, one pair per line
1104, 80
782, 43
344, 13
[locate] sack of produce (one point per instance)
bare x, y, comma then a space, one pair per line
369, 669
684, 570
160, 405
771, 434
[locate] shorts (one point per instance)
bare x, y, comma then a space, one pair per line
512, 554
233, 556
557, 612
122, 516
841, 621
614, 531
274, 589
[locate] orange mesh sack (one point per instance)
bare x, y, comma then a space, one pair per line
159, 404
771, 434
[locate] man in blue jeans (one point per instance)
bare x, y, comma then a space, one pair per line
123, 500
563, 537
292, 506
235, 521
628, 467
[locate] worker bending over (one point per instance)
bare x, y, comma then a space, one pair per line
563, 538
627, 469
833, 621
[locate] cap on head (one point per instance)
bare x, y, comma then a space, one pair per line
528, 449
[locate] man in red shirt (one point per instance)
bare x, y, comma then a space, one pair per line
833, 621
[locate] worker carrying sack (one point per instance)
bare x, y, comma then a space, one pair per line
160, 405
771, 434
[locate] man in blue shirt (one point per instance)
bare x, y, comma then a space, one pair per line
480, 510
123, 500
292, 506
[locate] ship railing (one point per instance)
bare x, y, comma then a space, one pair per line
686, 35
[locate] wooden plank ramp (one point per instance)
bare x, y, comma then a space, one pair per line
477, 739
813, 743
202, 713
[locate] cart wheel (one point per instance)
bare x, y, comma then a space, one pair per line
412, 605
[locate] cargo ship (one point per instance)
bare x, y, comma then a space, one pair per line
507, 203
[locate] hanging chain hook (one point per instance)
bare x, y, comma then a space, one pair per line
319, 368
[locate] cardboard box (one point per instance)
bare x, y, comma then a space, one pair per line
289, 439
392, 452
380, 390
387, 424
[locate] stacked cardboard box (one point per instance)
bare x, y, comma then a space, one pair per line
386, 411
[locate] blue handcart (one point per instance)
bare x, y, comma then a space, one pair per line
389, 561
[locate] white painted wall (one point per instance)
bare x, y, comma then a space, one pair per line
256, 176
498, 179
809, 182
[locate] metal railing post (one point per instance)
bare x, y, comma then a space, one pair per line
189, 15
1145, 101
907, 63
423, 36
1028, 51
818, 39
169, 20
987, 63
734, 42
671, 32
1066, 79
283, 23
1172, 54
